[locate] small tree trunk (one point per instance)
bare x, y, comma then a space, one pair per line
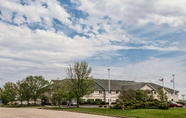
27, 101
59, 103
21, 102
78, 102
35, 101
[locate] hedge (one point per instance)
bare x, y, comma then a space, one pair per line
134, 104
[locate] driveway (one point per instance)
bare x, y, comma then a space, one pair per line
41, 113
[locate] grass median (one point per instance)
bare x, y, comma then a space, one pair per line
137, 113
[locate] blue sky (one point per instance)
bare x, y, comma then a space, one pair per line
141, 41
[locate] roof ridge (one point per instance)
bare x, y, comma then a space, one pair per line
116, 80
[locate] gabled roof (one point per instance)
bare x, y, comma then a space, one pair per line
114, 84
123, 84
102, 84
54, 81
135, 86
157, 87
97, 86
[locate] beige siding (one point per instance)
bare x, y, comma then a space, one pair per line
114, 96
146, 87
97, 95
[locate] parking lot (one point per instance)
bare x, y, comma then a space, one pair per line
41, 113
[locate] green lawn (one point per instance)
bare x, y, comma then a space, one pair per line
138, 113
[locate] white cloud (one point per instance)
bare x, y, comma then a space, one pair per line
34, 12
147, 71
30, 43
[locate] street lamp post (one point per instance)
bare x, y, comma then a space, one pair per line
183, 97
174, 85
109, 85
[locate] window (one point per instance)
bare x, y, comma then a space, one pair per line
100, 92
154, 92
117, 92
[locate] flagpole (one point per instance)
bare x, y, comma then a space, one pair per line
162, 80
173, 85
163, 89
109, 85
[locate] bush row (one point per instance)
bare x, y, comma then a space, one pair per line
134, 104
90, 102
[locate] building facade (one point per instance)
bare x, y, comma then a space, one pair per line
101, 89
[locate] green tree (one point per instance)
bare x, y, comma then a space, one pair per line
1, 92
37, 85
127, 94
141, 95
20, 92
60, 92
161, 95
80, 81
149, 94
41, 85
3, 96
131, 94
10, 91
24, 92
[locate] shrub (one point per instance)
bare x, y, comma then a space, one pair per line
98, 101
90, 101
103, 103
64, 103
134, 104
117, 106
117, 100
48, 103
163, 106
100, 105
81, 101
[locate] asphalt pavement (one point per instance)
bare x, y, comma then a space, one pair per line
41, 113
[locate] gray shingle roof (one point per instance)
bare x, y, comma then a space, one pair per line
114, 84
123, 84
135, 86
157, 87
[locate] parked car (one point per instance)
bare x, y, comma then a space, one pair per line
73, 103
174, 104
185, 104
